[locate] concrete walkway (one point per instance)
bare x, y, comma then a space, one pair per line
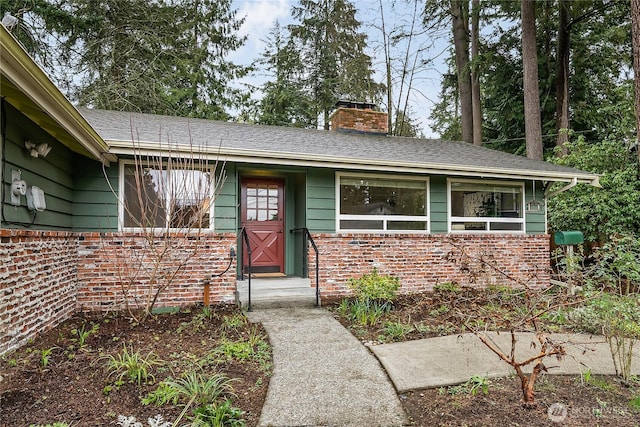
450, 360
323, 376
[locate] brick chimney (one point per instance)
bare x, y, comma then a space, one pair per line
359, 117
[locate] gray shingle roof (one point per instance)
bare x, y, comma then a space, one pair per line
277, 144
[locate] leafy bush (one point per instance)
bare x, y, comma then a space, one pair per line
617, 317
202, 388
599, 212
222, 415
132, 365
365, 312
375, 287
396, 331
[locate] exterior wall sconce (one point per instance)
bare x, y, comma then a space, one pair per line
37, 150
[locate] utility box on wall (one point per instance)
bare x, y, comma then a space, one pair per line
562, 238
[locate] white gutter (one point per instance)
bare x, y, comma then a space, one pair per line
214, 153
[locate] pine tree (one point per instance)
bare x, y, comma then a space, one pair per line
284, 101
333, 52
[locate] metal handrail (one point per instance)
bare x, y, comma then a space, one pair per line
309, 238
245, 239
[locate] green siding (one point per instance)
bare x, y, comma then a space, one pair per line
321, 200
95, 206
52, 174
438, 204
226, 202
535, 221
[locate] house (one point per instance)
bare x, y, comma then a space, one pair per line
75, 183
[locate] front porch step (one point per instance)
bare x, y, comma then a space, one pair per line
277, 292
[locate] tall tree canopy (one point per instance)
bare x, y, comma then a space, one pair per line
164, 56
333, 53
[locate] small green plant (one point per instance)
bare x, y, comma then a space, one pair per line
447, 287
474, 385
12, 363
436, 312
44, 356
367, 312
634, 402
199, 388
132, 365
222, 415
239, 350
56, 424
375, 287
80, 335
478, 383
396, 331
233, 322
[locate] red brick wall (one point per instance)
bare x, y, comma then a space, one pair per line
422, 261
360, 120
108, 262
37, 283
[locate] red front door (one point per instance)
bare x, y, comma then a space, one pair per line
262, 215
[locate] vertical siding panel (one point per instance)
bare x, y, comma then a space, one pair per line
321, 200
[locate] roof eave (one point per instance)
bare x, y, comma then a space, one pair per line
21, 71
308, 160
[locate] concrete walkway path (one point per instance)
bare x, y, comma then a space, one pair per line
323, 376
453, 359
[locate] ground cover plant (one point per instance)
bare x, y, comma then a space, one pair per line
201, 366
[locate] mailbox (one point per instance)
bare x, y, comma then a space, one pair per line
569, 238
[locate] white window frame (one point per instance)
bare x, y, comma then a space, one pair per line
383, 218
486, 220
121, 201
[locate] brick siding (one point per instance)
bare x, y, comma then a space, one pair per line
422, 261
38, 283
45, 275
108, 262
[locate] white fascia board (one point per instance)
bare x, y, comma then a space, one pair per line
26, 75
335, 162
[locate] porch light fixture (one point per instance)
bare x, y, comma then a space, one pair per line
37, 150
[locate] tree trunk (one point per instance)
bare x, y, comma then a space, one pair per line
532, 121
635, 35
475, 79
562, 77
460, 14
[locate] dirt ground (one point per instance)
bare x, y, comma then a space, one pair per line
74, 385
600, 401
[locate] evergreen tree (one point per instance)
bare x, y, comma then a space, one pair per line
333, 52
284, 101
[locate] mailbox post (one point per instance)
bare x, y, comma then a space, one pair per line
568, 239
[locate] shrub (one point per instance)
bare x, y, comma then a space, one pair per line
222, 415
375, 287
617, 317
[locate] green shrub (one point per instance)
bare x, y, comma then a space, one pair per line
132, 365
617, 317
375, 287
222, 415
202, 388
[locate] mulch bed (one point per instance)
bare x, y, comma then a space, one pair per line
74, 386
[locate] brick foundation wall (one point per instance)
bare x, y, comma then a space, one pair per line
115, 266
37, 283
422, 261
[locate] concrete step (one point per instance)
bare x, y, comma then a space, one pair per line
281, 292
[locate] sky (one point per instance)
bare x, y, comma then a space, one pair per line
260, 16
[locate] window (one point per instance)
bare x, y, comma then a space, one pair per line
485, 206
380, 203
165, 197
